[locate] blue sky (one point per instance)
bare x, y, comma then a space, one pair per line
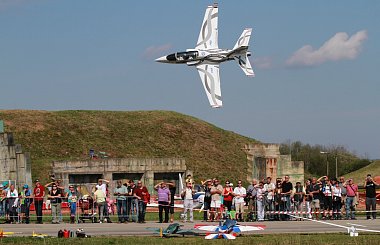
316, 64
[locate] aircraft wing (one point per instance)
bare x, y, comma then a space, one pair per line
243, 228
208, 37
211, 82
212, 228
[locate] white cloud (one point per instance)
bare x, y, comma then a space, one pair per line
154, 51
263, 62
339, 47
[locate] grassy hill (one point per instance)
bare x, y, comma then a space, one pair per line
59, 135
359, 175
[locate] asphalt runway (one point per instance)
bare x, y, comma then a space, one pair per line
133, 229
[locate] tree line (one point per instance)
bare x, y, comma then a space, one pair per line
320, 160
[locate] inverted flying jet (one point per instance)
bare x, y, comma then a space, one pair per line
206, 56
228, 230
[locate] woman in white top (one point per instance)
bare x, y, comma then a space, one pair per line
337, 199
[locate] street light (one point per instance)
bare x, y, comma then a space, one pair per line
327, 161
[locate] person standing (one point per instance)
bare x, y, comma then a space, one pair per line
251, 199
187, 195
228, 195
240, 192
121, 201
100, 199
299, 194
352, 193
308, 199
207, 199
142, 195
3, 195
38, 194
55, 197
314, 193
72, 196
216, 192
269, 188
287, 188
370, 196
260, 201
135, 203
172, 189
164, 197
25, 203
337, 199
12, 196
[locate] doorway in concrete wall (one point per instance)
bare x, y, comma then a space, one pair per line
166, 177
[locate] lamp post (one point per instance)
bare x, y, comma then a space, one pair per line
336, 167
327, 161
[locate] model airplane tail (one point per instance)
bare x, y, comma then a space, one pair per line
240, 52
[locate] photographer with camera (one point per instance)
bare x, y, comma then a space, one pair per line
351, 199
370, 196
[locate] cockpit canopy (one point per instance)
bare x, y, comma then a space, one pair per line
182, 56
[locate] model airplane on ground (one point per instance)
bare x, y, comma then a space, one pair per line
228, 230
207, 55
172, 230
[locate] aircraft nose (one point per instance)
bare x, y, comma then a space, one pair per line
162, 59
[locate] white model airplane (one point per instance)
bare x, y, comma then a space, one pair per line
207, 56
228, 230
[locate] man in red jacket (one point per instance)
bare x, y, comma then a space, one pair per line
143, 197
39, 194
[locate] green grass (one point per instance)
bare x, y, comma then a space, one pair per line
359, 175
302, 239
64, 135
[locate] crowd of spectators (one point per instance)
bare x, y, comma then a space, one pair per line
317, 198
321, 198
131, 201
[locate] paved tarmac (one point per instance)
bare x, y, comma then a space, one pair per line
133, 229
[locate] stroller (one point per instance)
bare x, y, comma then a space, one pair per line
87, 207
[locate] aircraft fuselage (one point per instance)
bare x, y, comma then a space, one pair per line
196, 57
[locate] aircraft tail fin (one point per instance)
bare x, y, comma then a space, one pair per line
244, 64
243, 39
240, 52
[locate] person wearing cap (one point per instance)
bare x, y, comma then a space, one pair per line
3, 195
25, 201
38, 194
72, 196
370, 196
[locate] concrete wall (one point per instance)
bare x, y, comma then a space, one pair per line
14, 164
264, 160
107, 167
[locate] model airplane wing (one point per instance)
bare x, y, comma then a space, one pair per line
211, 82
212, 228
208, 37
244, 228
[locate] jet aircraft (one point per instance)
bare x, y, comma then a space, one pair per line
206, 56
